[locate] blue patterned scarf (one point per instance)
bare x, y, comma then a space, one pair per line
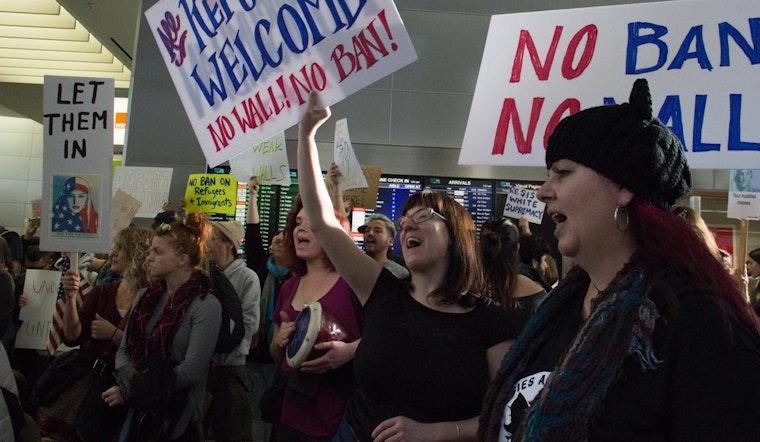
619, 327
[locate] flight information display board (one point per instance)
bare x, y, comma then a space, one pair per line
392, 193
475, 195
275, 203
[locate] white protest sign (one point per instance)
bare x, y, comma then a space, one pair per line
700, 58
41, 292
123, 209
352, 176
149, 185
244, 69
744, 194
523, 203
77, 163
267, 160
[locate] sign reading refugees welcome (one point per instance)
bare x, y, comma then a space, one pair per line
244, 69
701, 58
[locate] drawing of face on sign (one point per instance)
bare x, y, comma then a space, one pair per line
74, 210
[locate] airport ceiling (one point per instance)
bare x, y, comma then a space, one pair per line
98, 38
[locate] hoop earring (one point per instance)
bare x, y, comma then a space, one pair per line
618, 215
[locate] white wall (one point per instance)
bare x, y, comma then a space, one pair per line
20, 170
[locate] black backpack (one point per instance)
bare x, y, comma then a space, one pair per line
232, 329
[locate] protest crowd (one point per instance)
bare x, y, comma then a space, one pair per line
625, 321
152, 353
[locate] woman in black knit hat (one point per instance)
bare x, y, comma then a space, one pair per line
647, 337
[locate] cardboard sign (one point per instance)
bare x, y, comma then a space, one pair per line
76, 165
211, 193
41, 291
124, 207
700, 58
149, 185
523, 203
244, 69
267, 160
344, 156
366, 196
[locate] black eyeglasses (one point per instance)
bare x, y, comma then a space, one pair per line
418, 217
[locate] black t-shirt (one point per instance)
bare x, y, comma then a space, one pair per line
424, 364
707, 387
546, 359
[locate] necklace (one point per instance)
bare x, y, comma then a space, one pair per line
595, 287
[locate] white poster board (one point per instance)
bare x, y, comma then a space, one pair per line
523, 203
244, 69
352, 176
267, 160
149, 185
744, 194
77, 163
698, 56
41, 291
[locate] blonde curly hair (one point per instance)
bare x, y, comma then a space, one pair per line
136, 243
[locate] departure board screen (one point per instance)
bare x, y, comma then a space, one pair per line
475, 195
274, 204
392, 193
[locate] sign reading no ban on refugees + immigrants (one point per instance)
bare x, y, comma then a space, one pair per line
244, 69
701, 58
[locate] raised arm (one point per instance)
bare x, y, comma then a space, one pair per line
255, 256
336, 194
359, 270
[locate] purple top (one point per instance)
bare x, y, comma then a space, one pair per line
321, 417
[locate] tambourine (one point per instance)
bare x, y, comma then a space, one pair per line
313, 325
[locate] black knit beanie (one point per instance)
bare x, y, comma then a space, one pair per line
627, 145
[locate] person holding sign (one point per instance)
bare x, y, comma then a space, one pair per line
74, 211
647, 337
98, 326
172, 330
431, 343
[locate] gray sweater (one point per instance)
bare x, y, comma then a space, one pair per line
192, 348
248, 288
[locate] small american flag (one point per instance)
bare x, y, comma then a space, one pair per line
56, 331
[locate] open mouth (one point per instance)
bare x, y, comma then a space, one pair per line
558, 218
412, 243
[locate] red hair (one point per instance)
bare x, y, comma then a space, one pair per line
289, 257
669, 246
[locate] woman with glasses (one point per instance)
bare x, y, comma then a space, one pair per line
519, 295
431, 343
164, 357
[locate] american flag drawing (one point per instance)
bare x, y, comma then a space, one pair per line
56, 331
